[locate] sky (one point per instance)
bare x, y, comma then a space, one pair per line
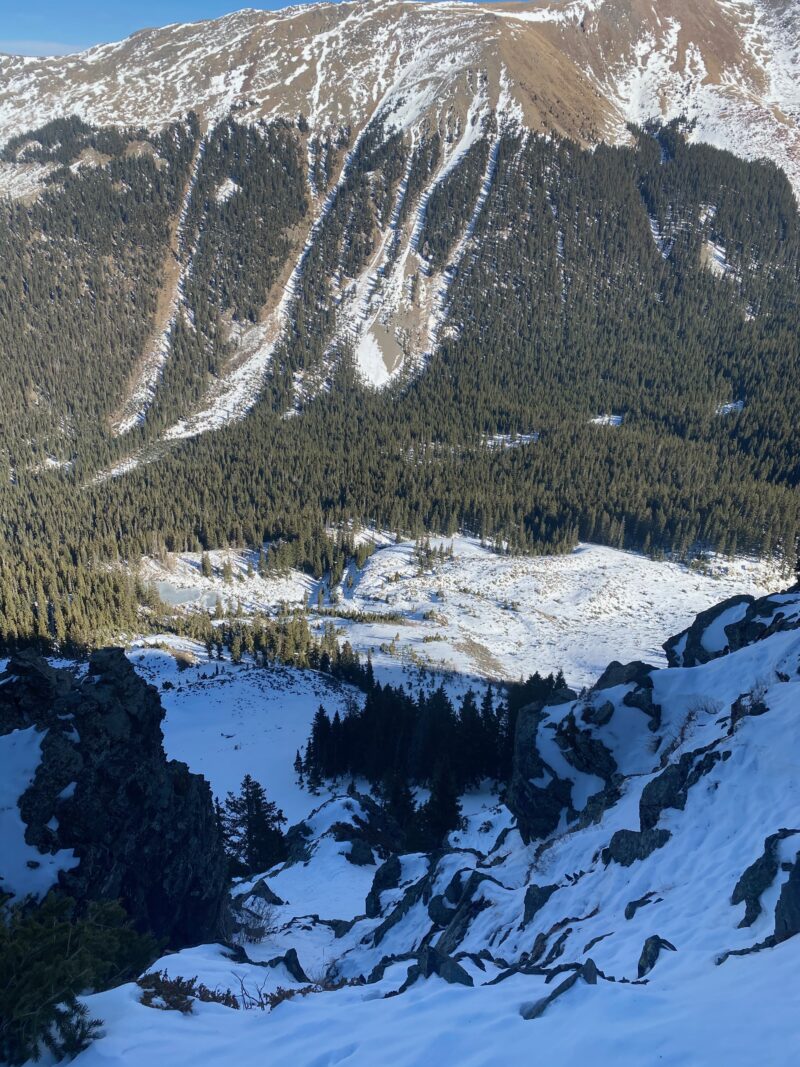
55, 27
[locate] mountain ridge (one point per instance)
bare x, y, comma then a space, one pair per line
580, 69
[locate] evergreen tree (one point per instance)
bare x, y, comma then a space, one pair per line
440, 814
252, 825
398, 801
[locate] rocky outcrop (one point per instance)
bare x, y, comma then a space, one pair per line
469, 905
584, 751
787, 910
633, 905
628, 846
651, 950
433, 961
758, 877
616, 673
387, 876
142, 827
587, 972
754, 621
537, 807
536, 896
671, 788
360, 854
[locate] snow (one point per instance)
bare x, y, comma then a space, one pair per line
714, 637
507, 440
692, 1008
234, 393
241, 720
23, 181
483, 614
228, 189
731, 408
371, 363
25, 870
663, 244
608, 420
715, 258
751, 112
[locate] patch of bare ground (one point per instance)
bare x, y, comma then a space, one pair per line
486, 663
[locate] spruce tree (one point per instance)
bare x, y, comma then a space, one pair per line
440, 814
252, 825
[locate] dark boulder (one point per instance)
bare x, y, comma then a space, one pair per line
587, 972
262, 891
360, 854
627, 846
439, 912
536, 896
670, 789
142, 827
297, 844
787, 910
468, 908
433, 961
633, 905
600, 715
583, 751
537, 807
617, 673
651, 950
641, 698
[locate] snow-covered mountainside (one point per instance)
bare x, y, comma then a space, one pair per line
470, 73
646, 868
578, 67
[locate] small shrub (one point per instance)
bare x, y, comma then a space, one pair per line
179, 994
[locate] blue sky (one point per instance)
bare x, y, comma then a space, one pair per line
48, 27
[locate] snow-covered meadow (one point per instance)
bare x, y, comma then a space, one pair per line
464, 620
480, 613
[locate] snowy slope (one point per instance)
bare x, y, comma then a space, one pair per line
577, 69
609, 941
227, 721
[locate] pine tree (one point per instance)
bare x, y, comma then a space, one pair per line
440, 814
398, 801
252, 825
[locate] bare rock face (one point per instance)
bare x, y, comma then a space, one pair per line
143, 827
